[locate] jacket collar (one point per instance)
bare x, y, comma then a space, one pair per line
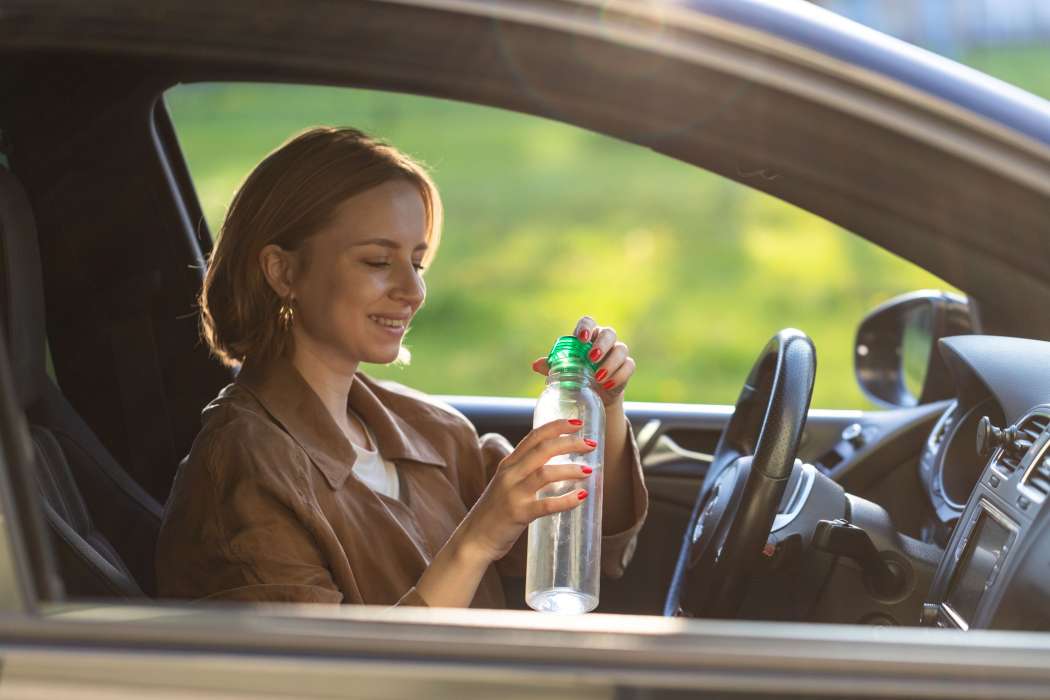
290, 400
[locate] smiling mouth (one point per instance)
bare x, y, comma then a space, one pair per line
392, 323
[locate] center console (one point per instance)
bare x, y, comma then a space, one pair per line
992, 560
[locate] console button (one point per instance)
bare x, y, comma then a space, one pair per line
994, 481
930, 614
1023, 503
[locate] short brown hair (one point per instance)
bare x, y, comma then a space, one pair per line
289, 196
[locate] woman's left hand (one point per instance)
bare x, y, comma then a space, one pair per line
615, 366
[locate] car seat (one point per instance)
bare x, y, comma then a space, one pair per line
104, 525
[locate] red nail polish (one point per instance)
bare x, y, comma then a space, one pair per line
575, 421
609, 384
590, 443
601, 375
587, 470
584, 334
595, 354
582, 494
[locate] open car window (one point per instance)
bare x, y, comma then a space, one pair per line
545, 222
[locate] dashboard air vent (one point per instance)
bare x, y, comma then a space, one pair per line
1010, 459
1032, 428
1024, 436
1039, 475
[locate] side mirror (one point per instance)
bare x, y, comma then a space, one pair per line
894, 354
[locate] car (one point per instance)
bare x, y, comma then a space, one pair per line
894, 552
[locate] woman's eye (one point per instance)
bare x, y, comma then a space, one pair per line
383, 263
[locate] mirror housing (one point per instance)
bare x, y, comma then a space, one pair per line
895, 356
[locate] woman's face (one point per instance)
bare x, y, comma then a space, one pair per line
358, 280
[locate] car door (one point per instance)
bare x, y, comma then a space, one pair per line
65, 648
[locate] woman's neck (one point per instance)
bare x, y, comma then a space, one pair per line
330, 380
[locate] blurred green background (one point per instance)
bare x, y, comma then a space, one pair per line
546, 222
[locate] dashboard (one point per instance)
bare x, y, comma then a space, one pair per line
991, 510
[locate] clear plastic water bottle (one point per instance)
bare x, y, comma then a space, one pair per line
564, 555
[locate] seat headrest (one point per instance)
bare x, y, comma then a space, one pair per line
21, 290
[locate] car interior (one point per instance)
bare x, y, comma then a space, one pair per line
104, 523
928, 511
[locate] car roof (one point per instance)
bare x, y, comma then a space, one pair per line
841, 38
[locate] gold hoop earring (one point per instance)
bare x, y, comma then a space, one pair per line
286, 315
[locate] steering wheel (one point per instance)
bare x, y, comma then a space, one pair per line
734, 510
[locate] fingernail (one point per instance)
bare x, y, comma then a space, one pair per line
587, 470
590, 443
601, 375
609, 384
595, 354
584, 334
582, 494
575, 421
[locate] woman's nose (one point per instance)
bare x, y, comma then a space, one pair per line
409, 286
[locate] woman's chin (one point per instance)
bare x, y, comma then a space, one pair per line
383, 356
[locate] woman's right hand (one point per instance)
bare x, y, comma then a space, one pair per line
509, 502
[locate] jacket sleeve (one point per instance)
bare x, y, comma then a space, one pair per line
617, 547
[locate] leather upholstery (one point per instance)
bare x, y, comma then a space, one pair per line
93, 570
22, 289
104, 525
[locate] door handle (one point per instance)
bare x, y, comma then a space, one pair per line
656, 447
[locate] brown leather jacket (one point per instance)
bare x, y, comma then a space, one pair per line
265, 506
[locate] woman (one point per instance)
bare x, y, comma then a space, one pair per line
313, 482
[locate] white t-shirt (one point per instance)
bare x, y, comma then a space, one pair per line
377, 473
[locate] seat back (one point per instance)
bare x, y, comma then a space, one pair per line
104, 525
89, 564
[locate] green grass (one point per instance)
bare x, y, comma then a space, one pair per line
545, 222
1027, 67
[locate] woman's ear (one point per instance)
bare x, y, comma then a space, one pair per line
278, 267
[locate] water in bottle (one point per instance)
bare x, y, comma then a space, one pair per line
564, 554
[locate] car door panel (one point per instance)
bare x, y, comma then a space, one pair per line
365, 652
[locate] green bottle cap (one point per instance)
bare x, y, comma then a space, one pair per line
570, 353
